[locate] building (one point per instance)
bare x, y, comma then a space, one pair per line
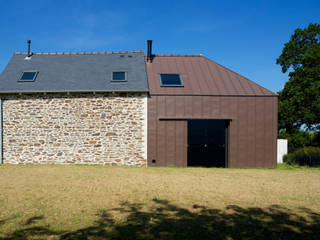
130, 109
203, 114
84, 108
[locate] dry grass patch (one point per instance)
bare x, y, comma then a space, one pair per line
94, 202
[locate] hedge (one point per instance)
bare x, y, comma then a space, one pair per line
304, 156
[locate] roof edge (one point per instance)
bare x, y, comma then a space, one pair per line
215, 95
178, 55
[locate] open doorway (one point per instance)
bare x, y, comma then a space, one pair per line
208, 143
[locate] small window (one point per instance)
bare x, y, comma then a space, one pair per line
119, 76
170, 80
28, 76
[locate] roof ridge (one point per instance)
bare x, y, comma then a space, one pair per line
178, 55
77, 53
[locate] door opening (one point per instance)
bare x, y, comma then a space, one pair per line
208, 143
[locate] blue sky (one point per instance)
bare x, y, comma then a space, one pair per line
245, 36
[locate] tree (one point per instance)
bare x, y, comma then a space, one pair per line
299, 101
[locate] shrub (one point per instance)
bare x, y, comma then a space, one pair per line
303, 156
315, 139
297, 139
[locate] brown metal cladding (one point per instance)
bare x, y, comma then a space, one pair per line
210, 92
252, 131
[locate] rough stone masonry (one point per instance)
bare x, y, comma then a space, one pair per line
86, 128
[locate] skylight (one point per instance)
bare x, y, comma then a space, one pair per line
28, 76
170, 80
119, 76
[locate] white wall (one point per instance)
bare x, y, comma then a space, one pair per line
282, 149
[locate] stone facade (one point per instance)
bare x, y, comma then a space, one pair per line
86, 128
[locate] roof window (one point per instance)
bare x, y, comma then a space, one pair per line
28, 76
170, 80
119, 76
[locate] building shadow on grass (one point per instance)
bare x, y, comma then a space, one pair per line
164, 220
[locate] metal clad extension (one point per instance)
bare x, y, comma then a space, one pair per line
210, 91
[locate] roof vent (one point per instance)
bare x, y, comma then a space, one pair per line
149, 56
28, 57
29, 44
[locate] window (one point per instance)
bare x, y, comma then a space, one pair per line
28, 76
170, 80
119, 76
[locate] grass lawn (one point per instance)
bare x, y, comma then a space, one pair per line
95, 202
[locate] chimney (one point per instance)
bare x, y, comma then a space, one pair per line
149, 56
29, 43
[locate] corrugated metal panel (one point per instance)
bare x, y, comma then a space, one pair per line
161, 131
201, 76
275, 129
243, 136
251, 104
260, 132
170, 143
268, 130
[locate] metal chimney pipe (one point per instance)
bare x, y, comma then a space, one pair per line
29, 43
149, 55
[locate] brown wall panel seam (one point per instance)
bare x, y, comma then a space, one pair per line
157, 126
264, 133
254, 137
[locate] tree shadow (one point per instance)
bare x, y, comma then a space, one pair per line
28, 231
164, 220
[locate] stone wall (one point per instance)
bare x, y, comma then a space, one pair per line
79, 128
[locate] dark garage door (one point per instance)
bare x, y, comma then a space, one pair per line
207, 143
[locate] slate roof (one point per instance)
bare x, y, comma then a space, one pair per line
75, 72
200, 76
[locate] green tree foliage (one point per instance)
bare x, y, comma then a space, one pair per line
299, 101
296, 139
300, 138
315, 139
